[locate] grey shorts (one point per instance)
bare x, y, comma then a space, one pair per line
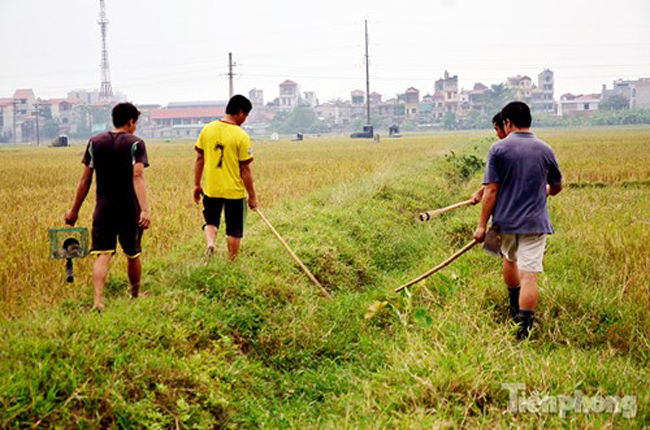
527, 250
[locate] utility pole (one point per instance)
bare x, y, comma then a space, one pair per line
367, 77
15, 104
38, 129
230, 75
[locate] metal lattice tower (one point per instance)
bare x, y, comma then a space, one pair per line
106, 90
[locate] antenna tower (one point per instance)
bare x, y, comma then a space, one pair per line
106, 90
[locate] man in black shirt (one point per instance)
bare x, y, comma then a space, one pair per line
118, 158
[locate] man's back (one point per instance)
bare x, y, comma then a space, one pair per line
522, 165
112, 156
225, 147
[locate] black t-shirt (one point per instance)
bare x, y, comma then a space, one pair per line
112, 156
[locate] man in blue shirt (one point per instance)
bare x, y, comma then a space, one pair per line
521, 172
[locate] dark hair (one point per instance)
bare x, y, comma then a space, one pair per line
497, 120
238, 103
518, 113
123, 112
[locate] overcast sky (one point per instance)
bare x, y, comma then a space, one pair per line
162, 51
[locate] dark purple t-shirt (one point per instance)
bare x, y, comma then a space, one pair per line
522, 165
112, 156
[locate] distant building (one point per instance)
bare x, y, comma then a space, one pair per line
394, 109
256, 96
546, 83
358, 97
640, 94
448, 88
6, 118
522, 86
583, 104
464, 105
620, 88
412, 102
25, 100
309, 99
477, 97
289, 95
375, 99
438, 108
61, 110
180, 122
425, 113
85, 96
334, 113
198, 104
92, 97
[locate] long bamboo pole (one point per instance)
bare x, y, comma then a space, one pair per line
426, 216
293, 255
440, 266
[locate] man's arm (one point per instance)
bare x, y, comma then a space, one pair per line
247, 177
82, 191
478, 195
141, 193
489, 200
553, 177
198, 173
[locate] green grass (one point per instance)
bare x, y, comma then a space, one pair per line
252, 344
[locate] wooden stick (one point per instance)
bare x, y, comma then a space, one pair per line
293, 255
442, 265
426, 216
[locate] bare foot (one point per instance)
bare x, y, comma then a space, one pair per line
98, 307
142, 294
209, 251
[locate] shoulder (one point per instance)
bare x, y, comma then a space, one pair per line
243, 134
100, 137
544, 147
213, 125
132, 138
497, 147
237, 132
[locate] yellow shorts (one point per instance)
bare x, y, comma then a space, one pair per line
527, 250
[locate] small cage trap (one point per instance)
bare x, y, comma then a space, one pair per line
68, 244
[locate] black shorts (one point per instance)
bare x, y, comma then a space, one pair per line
105, 236
234, 209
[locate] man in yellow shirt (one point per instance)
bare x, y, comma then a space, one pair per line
224, 153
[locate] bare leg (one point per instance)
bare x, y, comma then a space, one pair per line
510, 273
210, 237
528, 298
100, 270
233, 247
135, 272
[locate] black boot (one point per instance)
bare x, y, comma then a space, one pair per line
513, 292
525, 321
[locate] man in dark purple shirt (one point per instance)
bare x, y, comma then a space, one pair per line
521, 172
118, 158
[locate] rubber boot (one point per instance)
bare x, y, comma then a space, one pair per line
525, 321
513, 292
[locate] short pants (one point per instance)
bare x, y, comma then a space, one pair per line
106, 234
527, 250
235, 214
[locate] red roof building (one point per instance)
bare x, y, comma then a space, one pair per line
186, 116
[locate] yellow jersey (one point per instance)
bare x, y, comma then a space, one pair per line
225, 147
